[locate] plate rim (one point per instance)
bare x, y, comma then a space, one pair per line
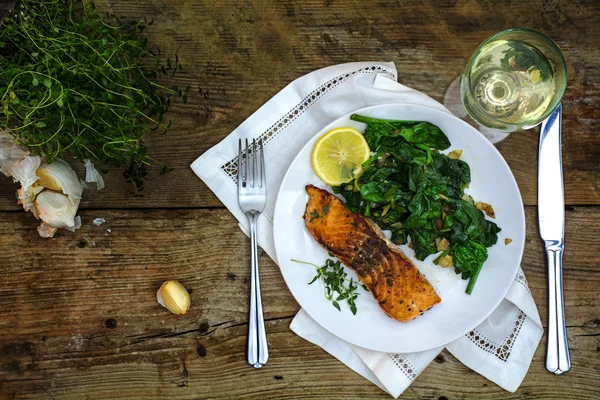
488, 143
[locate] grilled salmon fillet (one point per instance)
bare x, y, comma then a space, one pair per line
397, 285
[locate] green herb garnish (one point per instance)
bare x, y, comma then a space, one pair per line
336, 285
313, 214
416, 192
74, 82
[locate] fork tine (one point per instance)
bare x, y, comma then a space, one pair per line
254, 164
239, 168
259, 170
246, 164
263, 177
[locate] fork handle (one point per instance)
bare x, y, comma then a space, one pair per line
557, 356
258, 352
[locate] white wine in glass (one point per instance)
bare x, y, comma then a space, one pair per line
513, 81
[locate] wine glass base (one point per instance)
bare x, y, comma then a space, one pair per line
453, 102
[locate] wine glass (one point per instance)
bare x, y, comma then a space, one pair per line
511, 82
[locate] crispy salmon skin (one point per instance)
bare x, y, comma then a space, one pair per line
397, 285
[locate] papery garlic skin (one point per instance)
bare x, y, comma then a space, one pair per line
60, 177
174, 297
15, 162
98, 221
25, 171
92, 174
76, 226
10, 153
56, 210
46, 231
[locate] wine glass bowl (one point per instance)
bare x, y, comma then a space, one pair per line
513, 80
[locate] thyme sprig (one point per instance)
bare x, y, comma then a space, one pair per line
336, 285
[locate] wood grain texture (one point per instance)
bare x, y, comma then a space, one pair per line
80, 318
78, 314
237, 55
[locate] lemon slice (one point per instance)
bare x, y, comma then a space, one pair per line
339, 154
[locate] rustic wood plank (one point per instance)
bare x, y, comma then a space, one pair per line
238, 55
80, 319
173, 368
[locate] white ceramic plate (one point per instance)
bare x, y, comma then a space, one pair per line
458, 313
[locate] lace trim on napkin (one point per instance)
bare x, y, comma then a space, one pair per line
500, 350
522, 279
404, 365
230, 168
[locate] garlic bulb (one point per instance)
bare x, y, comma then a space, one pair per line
51, 192
60, 177
56, 210
174, 297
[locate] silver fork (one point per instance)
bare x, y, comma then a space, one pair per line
252, 197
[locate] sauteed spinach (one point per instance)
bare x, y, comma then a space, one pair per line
411, 189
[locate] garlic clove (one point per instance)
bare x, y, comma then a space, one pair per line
24, 171
174, 297
446, 261
56, 210
27, 198
486, 208
46, 180
455, 154
60, 177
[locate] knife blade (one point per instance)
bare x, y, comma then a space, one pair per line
551, 203
551, 215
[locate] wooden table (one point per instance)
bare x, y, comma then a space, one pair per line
79, 318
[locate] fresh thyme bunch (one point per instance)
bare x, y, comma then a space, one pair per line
75, 82
336, 285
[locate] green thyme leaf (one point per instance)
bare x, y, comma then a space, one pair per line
313, 214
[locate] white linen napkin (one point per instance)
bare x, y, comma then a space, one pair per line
501, 348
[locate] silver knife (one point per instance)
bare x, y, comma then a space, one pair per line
551, 210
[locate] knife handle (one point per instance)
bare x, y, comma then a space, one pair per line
557, 356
